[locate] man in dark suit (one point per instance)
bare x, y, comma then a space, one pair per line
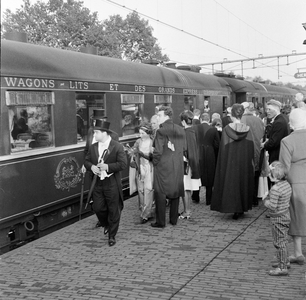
278, 131
98, 114
105, 159
208, 146
169, 146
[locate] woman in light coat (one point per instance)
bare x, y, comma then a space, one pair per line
293, 156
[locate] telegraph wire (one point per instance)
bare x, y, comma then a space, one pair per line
191, 34
250, 25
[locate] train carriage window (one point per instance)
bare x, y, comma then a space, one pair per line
30, 119
132, 113
162, 100
86, 103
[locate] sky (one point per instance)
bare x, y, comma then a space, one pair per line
194, 32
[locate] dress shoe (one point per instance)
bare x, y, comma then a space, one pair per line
300, 260
111, 241
156, 225
106, 230
278, 272
237, 215
98, 224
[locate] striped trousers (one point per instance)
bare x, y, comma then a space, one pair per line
280, 227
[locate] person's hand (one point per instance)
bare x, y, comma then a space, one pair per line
95, 170
103, 167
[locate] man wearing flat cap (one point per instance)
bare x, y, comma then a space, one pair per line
106, 159
279, 130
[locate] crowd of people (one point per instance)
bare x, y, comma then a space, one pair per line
241, 158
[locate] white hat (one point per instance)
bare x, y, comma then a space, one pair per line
245, 104
275, 103
297, 118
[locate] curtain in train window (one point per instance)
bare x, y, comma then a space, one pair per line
30, 119
132, 113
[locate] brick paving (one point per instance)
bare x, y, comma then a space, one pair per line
209, 256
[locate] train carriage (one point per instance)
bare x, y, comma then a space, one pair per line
47, 98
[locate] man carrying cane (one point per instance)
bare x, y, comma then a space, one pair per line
105, 159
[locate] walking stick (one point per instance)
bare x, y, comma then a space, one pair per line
94, 179
82, 196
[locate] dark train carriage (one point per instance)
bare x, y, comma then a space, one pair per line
47, 98
283, 94
246, 91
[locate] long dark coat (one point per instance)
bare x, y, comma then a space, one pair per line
234, 180
192, 152
278, 131
169, 165
208, 146
115, 158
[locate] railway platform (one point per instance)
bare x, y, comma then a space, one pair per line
210, 256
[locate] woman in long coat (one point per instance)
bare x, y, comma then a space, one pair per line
293, 156
234, 179
192, 180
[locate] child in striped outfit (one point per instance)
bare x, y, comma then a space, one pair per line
278, 202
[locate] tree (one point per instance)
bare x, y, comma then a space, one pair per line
132, 38
69, 25
66, 25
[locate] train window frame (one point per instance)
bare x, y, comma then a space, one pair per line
93, 100
162, 100
134, 105
21, 102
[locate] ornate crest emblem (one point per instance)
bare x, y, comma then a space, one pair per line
68, 174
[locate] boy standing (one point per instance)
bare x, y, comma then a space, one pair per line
278, 202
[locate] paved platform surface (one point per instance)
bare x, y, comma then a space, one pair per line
210, 256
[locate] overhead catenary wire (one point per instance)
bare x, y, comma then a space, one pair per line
198, 37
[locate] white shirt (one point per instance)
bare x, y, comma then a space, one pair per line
101, 148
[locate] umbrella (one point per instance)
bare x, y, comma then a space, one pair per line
82, 196
94, 179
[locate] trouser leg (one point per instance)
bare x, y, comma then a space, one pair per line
280, 227
208, 194
173, 213
160, 203
107, 206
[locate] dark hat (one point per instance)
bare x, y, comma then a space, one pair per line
102, 125
98, 114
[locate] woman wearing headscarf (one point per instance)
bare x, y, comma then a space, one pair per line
234, 179
293, 156
144, 171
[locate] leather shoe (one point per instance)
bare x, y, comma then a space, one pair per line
111, 241
156, 225
106, 230
143, 221
98, 224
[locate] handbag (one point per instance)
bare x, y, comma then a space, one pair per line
132, 180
